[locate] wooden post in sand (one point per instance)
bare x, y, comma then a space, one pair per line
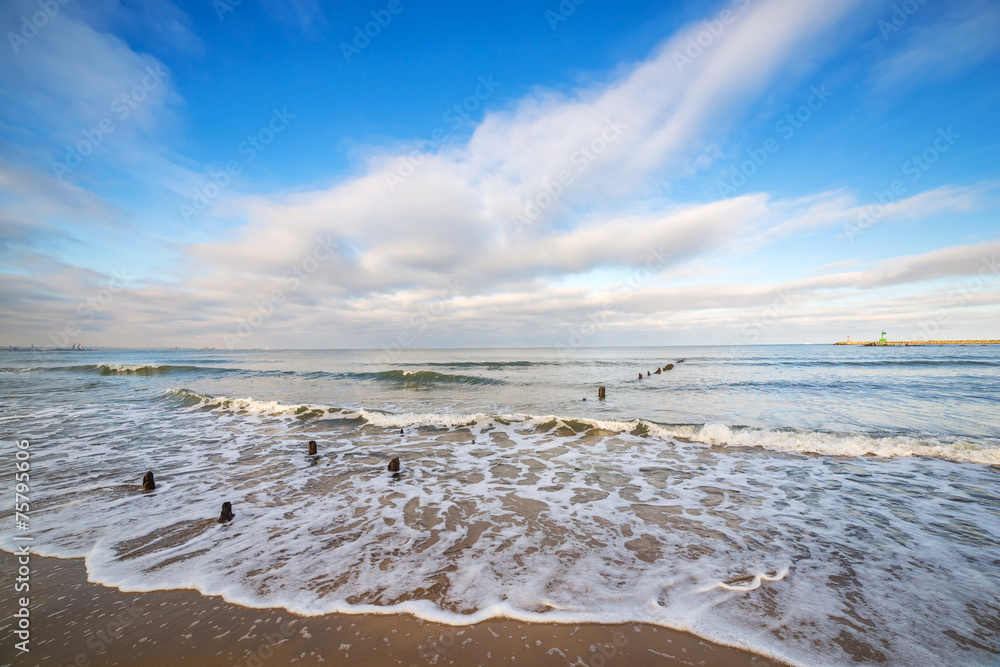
227, 512
394, 465
148, 483
600, 393
312, 448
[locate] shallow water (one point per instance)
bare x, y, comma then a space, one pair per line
819, 504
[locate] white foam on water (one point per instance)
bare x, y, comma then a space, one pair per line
130, 369
403, 420
982, 451
832, 444
529, 518
758, 579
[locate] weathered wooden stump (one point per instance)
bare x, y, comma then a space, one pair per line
227, 512
668, 367
312, 448
640, 374
600, 393
148, 483
394, 465
680, 360
656, 372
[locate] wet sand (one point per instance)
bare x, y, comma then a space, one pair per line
74, 622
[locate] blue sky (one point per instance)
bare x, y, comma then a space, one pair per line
532, 173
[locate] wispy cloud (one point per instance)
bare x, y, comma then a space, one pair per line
602, 205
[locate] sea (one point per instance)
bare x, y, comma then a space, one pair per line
816, 504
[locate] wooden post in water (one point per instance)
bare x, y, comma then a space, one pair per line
600, 392
394, 465
312, 448
148, 483
227, 512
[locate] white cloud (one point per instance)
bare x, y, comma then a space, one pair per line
453, 216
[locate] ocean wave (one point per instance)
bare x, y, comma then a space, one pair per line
126, 369
825, 443
243, 406
159, 369
421, 377
144, 369
838, 444
486, 364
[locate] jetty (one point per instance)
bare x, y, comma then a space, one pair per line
907, 343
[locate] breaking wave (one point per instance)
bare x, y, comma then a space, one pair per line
826, 443
421, 377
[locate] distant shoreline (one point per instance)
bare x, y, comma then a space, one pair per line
872, 343
898, 343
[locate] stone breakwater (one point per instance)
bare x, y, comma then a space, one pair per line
892, 343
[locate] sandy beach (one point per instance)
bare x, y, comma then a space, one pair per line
75, 622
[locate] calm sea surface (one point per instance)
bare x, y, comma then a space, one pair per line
819, 504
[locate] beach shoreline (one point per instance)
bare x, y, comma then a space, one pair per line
75, 622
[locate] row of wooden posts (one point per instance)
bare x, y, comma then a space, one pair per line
661, 370
149, 482
601, 392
